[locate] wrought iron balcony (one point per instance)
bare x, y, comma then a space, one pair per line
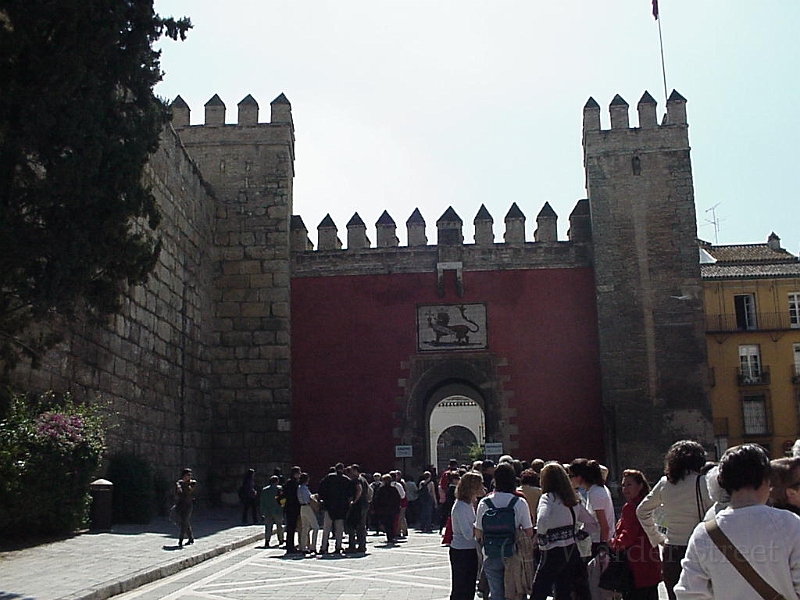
716, 323
753, 376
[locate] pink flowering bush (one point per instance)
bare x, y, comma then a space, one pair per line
50, 450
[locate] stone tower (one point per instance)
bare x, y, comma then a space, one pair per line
647, 278
249, 167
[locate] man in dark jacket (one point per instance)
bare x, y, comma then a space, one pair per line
336, 492
386, 504
356, 523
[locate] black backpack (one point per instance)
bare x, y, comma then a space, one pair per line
499, 529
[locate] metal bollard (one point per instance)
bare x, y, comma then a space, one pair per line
102, 492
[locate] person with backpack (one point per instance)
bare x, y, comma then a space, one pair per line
560, 561
500, 515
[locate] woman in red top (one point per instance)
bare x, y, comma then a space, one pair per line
644, 559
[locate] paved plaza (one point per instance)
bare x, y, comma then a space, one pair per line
417, 569
228, 561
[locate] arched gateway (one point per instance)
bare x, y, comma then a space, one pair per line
451, 403
456, 425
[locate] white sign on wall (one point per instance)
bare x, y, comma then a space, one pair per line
403, 451
493, 449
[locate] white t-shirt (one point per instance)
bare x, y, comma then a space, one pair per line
599, 498
463, 520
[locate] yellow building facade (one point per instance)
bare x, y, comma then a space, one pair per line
752, 308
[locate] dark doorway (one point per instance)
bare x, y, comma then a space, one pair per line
455, 443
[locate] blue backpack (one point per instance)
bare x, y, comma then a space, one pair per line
499, 529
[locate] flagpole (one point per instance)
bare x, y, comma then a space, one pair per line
657, 15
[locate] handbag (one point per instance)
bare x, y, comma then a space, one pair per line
740, 563
617, 577
447, 538
698, 497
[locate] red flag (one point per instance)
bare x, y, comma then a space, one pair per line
655, 9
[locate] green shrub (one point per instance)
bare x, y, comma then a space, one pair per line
476, 452
134, 488
50, 451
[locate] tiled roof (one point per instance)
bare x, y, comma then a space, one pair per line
749, 253
745, 271
747, 261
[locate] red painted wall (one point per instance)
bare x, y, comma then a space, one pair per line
350, 335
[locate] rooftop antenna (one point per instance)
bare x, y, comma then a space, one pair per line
714, 221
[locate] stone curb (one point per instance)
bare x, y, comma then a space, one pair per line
138, 579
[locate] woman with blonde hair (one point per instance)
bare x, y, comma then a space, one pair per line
560, 562
463, 547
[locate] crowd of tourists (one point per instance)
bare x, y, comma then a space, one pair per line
519, 530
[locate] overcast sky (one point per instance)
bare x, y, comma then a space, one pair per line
429, 104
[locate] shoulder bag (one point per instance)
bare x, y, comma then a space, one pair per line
740, 563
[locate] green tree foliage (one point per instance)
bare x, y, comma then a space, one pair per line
50, 451
78, 121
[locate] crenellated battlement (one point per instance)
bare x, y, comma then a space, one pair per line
449, 229
215, 113
646, 108
264, 150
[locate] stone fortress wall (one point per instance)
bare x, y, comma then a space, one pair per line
151, 362
198, 365
652, 345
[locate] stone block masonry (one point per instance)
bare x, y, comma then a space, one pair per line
196, 367
151, 362
249, 167
652, 347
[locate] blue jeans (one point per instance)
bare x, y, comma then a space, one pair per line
495, 570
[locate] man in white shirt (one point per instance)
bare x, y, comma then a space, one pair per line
768, 538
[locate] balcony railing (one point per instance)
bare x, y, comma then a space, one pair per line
762, 322
753, 376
